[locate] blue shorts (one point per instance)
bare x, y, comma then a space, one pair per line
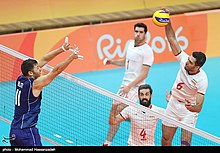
25, 137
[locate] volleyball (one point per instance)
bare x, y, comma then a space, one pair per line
161, 18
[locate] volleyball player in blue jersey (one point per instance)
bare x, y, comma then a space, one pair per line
28, 96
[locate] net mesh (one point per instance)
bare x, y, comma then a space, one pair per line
75, 112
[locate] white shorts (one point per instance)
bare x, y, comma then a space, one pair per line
177, 110
132, 94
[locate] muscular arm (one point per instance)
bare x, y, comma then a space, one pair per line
172, 39
43, 81
115, 119
119, 62
51, 55
198, 106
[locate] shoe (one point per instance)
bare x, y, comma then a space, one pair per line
105, 144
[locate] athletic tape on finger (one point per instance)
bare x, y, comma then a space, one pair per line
66, 40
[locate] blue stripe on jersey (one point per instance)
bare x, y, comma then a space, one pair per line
27, 106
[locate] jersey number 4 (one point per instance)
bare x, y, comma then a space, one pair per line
143, 134
17, 97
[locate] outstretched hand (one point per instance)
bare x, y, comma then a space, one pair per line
165, 9
106, 61
67, 47
76, 51
190, 106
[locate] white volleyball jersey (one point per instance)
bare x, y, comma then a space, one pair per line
143, 125
136, 57
187, 86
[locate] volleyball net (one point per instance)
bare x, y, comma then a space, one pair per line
75, 112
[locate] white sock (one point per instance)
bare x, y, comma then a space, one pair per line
108, 142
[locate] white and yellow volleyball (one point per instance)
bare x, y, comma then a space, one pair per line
161, 18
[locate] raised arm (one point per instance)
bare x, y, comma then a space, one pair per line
119, 62
50, 55
172, 37
44, 80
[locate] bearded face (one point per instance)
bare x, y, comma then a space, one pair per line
145, 102
145, 97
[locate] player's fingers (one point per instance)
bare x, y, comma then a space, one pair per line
73, 50
80, 57
105, 61
76, 50
66, 40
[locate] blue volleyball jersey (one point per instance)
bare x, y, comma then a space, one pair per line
27, 106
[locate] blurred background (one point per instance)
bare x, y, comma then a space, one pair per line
30, 15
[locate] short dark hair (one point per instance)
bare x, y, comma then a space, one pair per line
200, 58
142, 25
145, 86
28, 65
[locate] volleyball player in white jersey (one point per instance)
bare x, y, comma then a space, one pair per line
143, 124
138, 60
187, 94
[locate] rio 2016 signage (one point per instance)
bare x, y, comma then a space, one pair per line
103, 51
